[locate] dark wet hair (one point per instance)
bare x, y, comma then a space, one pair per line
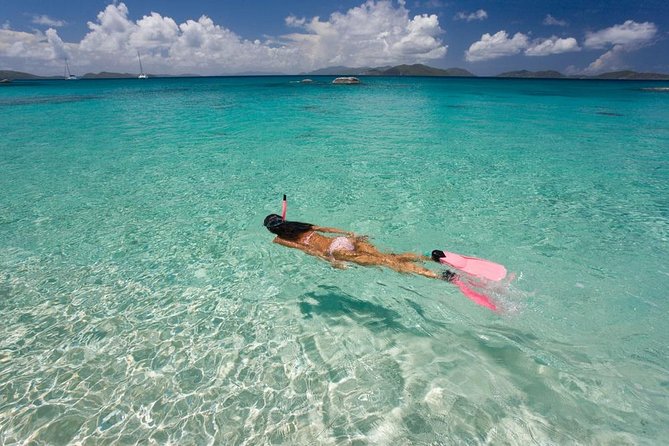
289, 230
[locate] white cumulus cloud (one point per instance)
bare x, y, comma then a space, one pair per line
612, 60
549, 20
373, 33
552, 45
293, 21
496, 45
620, 39
481, 14
15, 44
58, 50
376, 32
630, 34
500, 45
48, 21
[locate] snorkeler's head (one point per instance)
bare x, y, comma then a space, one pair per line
272, 221
289, 230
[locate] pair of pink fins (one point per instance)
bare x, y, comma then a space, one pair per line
481, 268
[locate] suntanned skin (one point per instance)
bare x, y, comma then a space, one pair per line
365, 253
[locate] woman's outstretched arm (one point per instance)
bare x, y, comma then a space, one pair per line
332, 230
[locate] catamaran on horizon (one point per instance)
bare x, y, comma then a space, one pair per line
69, 76
141, 69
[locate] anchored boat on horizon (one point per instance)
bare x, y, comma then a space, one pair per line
69, 76
141, 69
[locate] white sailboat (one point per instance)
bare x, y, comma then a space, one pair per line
69, 76
141, 70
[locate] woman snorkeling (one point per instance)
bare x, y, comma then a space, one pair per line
347, 247
344, 248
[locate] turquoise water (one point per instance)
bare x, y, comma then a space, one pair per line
143, 301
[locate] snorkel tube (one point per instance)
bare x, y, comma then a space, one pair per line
284, 207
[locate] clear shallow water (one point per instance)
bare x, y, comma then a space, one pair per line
143, 301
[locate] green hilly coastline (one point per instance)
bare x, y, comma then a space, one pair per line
424, 70
524, 74
19, 75
419, 70
632, 75
398, 70
108, 75
614, 75
13, 75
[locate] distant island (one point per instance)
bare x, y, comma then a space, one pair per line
18, 75
614, 75
109, 75
398, 70
632, 75
13, 75
524, 74
424, 70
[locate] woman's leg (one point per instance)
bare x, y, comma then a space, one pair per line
411, 257
363, 246
387, 260
408, 267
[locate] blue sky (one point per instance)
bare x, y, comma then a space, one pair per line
227, 37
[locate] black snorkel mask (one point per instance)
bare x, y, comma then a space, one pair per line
273, 221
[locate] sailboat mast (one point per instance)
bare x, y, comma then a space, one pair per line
68, 74
141, 70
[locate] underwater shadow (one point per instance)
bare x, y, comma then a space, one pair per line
419, 309
332, 302
607, 113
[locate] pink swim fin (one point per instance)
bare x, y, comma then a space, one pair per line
484, 269
478, 298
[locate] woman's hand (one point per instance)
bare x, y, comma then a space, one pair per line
337, 264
